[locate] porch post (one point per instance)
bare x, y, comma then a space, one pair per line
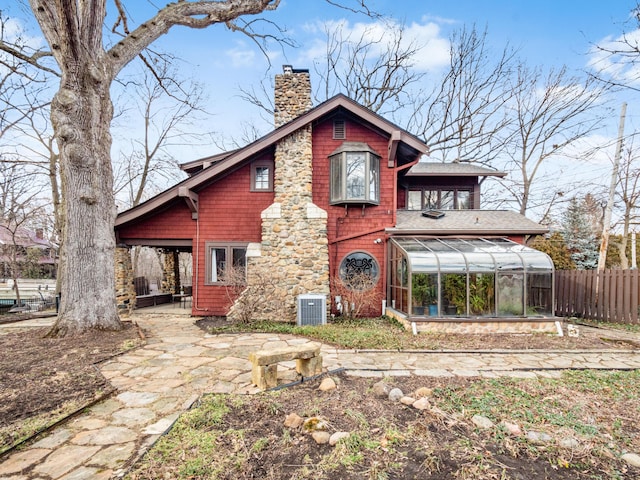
171, 272
125, 289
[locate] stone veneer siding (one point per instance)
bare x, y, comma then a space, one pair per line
294, 246
125, 289
170, 274
292, 96
478, 326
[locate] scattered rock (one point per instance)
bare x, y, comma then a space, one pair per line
293, 420
482, 422
423, 392
395, 394
315, 423
321, 437
511, 429
631, 459
327, 384
538, 438
407, 400
421, 404
381, 389
569, 443
336, 437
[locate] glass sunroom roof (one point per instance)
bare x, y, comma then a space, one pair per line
471, 255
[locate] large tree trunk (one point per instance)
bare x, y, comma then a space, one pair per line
81, 114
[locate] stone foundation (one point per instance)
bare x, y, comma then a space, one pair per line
480, 326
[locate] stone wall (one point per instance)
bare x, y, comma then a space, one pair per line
479, 326
292, 96
294, 245
170, 273
125, 289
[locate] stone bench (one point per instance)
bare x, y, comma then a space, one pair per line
264, 372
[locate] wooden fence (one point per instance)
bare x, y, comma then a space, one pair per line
608, 296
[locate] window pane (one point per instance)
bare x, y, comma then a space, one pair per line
239, 264
464, 199
336, 178
374, 181
539, 294
482, 296
424, 293
510, 294
218, 261
262, 178
431, 199
446, 200
454, 294
355, 175
414, 201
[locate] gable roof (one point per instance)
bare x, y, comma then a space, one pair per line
234, 159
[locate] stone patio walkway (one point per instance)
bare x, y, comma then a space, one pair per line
159, 381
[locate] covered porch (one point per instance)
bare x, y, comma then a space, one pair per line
172, 288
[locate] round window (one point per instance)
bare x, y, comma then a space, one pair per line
359, 270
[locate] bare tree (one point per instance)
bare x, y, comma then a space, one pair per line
615, 62
19, 205
374, 66
551, 112
168, 111
81, 112
463, 118
628, 193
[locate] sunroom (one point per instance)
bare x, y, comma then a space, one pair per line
442, 278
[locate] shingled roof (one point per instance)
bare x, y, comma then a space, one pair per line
452, 169
466, 222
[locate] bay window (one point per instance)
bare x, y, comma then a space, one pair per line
355, 174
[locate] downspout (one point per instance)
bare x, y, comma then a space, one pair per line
197, 259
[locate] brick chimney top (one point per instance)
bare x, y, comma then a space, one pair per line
292, 94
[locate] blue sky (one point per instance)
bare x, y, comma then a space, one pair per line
545, 32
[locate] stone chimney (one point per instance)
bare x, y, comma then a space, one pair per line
292, 95
294, 251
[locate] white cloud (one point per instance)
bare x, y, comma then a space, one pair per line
620, 67
241, 55
432, 48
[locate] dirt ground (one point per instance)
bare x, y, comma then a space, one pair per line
44, 379
230, 437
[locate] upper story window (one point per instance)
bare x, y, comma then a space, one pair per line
262, 176
439, 199
355, 174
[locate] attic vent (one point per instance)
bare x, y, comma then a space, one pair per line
433, 214
339, 131
312, 309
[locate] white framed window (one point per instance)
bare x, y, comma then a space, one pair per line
262, 176
220, 257
355, 174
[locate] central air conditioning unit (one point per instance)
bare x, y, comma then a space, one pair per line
312, 309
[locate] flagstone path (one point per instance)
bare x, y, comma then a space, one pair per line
162, 379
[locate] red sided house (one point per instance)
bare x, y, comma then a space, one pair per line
337, 192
